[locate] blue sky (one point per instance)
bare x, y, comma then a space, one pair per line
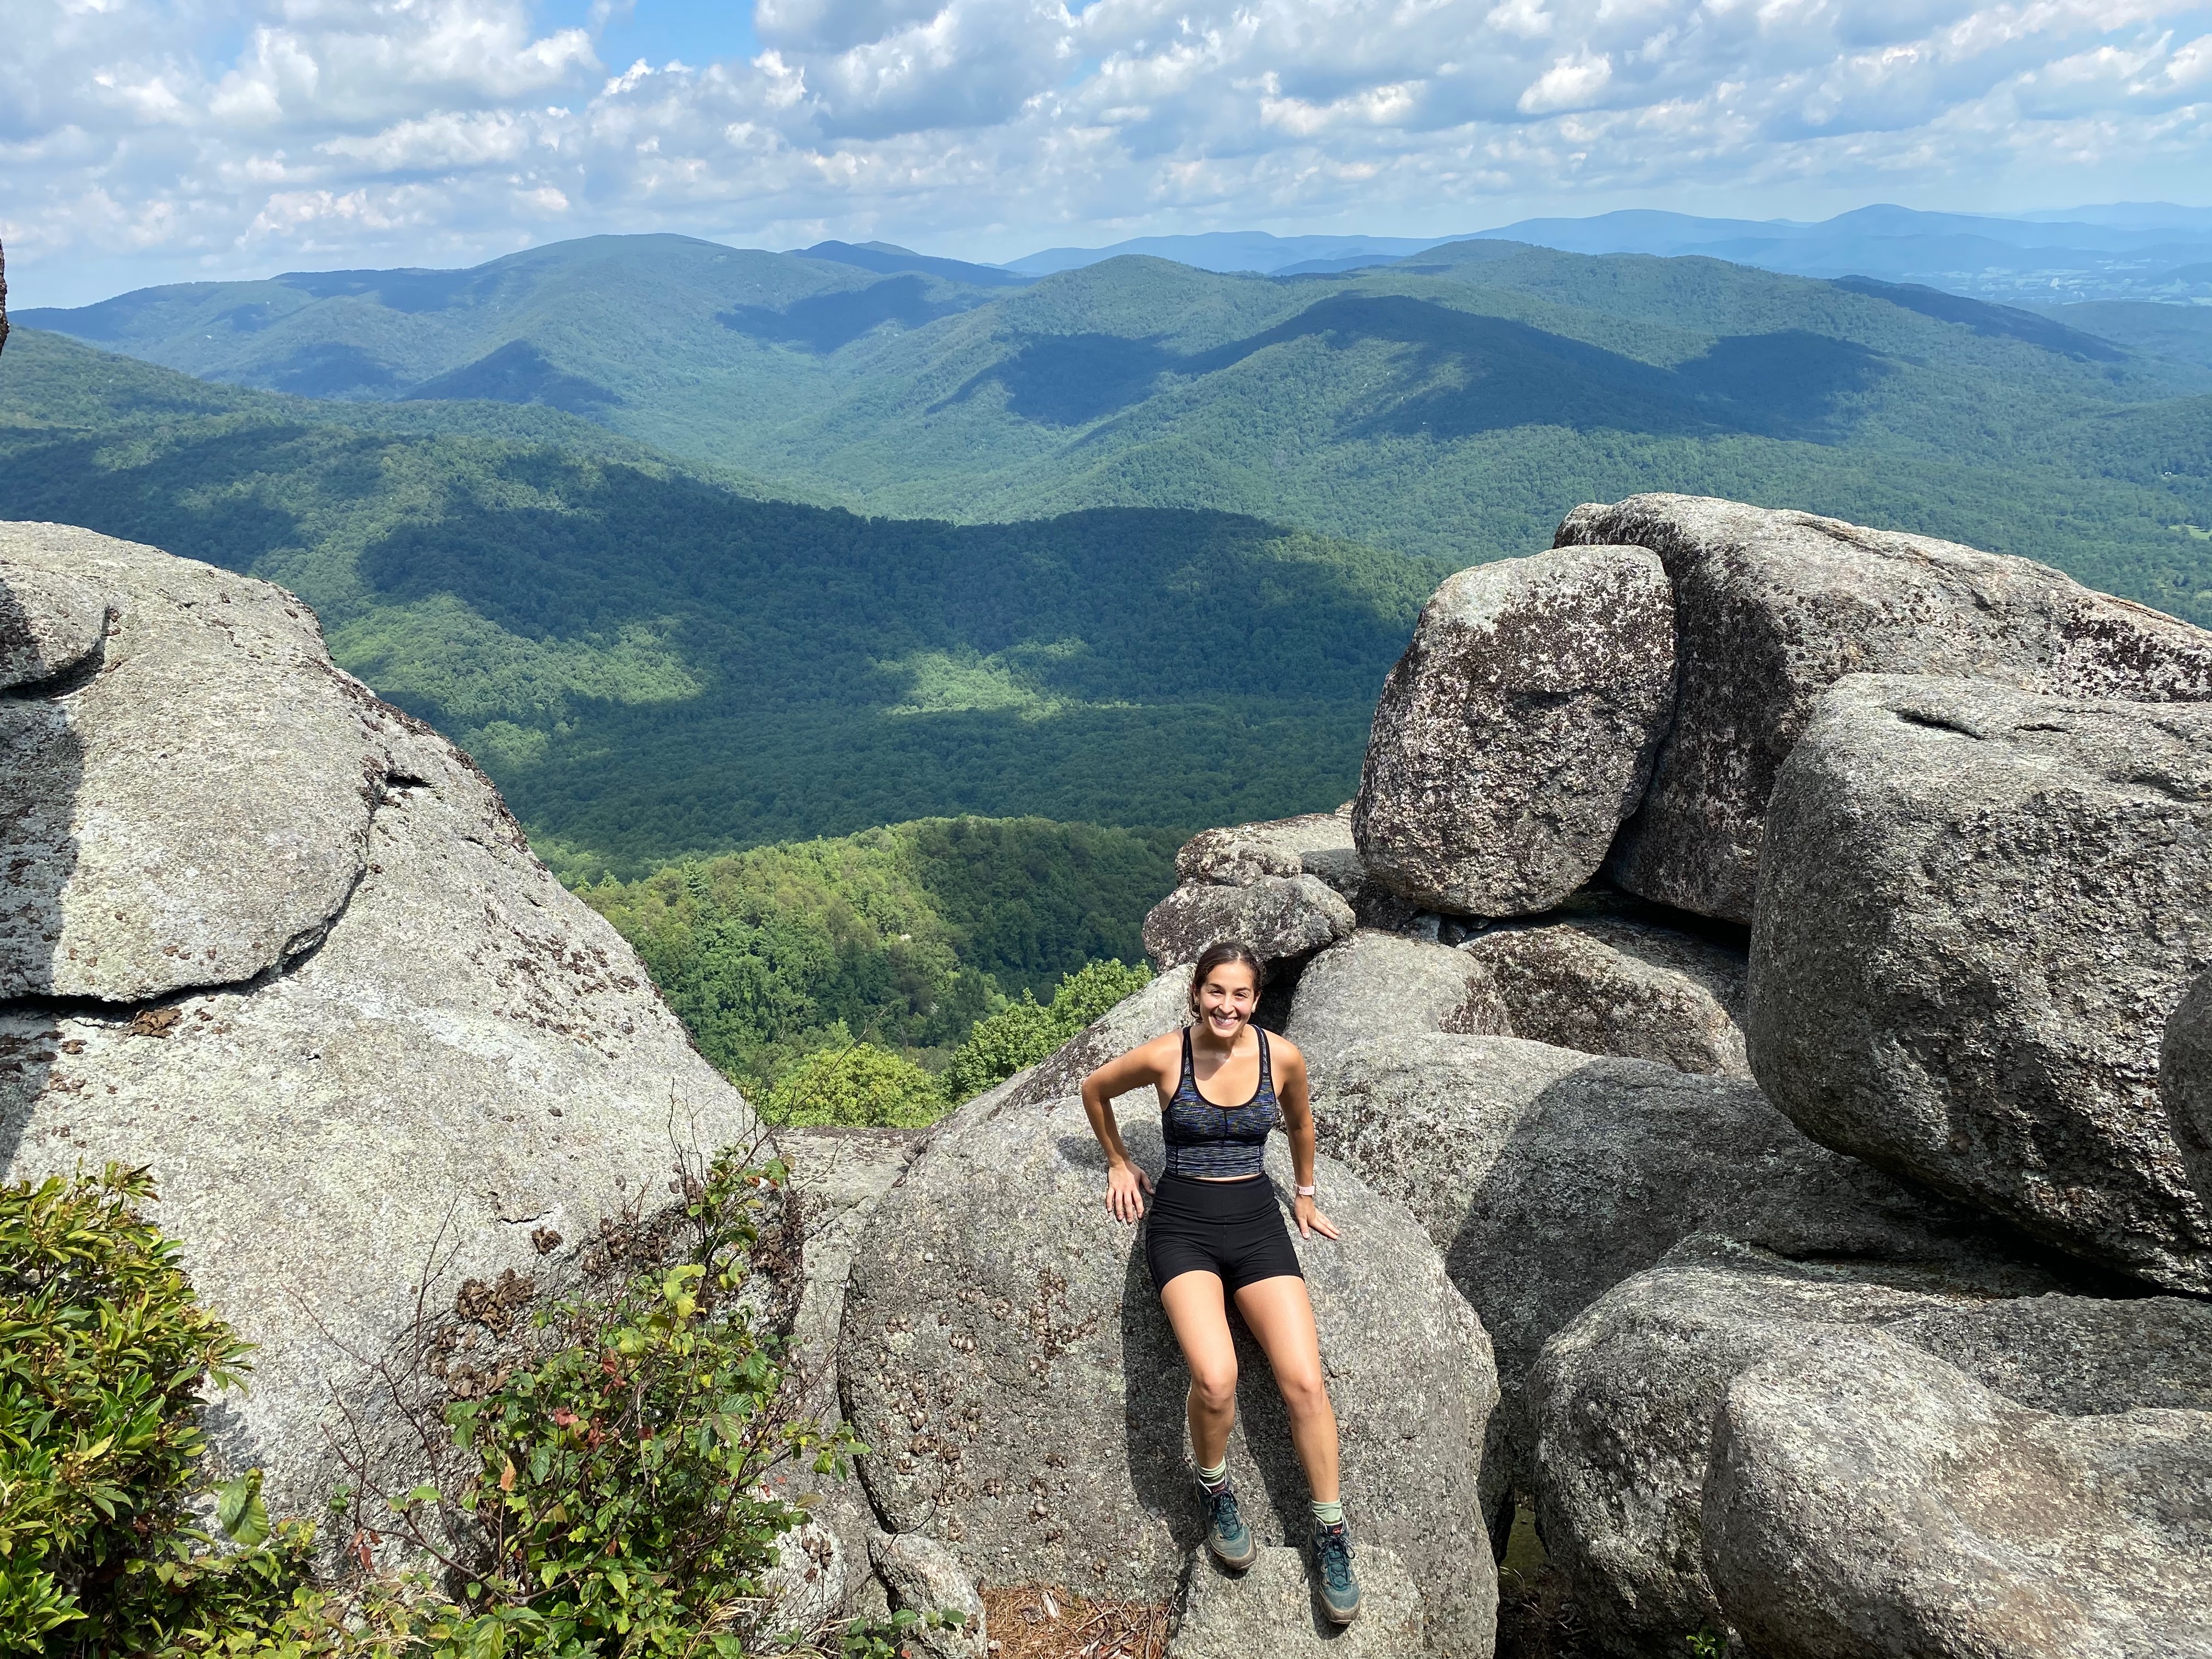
144, 142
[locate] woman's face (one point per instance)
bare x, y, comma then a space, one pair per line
1225, 1001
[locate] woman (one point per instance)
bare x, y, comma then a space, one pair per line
1216, 1232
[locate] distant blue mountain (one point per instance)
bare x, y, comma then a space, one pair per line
1236, 250
2134, 251
2123, 250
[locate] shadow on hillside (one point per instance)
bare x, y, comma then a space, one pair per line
1468, 373
823, 322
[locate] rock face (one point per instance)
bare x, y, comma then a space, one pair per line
1867, 1498
467, 1047
1376, 984
924, 1576
1005, 1355
1623, 1398
1270, 1610
1279, 917
1517, 731
1610, 985
1547, 1176
197, 812
2185, 1083
1772, 607
1979, 908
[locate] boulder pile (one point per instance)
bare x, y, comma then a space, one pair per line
1759, 1008
1780, 984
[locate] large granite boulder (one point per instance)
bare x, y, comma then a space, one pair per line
1610, 984
1978, 909
1004, 1354
1866, 1497
1772, 607
1280, 847
1269, 1611
198, 811
1547, 1176
423, 1041
2185, 1083
1517, 731
1376, 984
1281, 918
1622, 1400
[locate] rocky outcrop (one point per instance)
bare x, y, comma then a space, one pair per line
2185, 1083
344, 1013
1317, 844
1249, 852
197, 812
1770, 608
1622, 1400
1376, 984
1978, 909
1547, 1176
1608, 984
1517, 731
1281, 918
1006, 1357
1270, 1610
1867, 1498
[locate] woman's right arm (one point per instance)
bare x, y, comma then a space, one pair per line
1126, 1184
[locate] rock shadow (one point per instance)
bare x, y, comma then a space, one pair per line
42, 771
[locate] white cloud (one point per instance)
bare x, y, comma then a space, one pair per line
148, 140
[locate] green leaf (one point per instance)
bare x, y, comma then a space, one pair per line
239, 1511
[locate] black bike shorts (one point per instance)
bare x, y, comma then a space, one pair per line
1233, 1228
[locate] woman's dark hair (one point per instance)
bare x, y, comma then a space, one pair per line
1221, 955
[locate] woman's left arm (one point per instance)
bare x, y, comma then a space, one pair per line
1298, 1124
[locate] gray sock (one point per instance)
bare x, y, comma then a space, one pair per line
1327, 1515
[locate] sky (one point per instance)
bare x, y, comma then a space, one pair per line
148, 142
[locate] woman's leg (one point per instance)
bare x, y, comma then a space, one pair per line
1282, 1318
1201, 1318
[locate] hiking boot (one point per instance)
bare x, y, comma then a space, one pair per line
1226, 1534
1340, 1591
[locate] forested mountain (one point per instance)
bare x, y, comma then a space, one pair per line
651, 663
1453, 404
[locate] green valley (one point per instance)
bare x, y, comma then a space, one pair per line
652, 663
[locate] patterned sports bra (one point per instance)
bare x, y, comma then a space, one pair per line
1218, 1141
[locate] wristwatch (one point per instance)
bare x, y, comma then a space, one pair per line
1302, 1192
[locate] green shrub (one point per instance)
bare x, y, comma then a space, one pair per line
602, 1490
596, 1485
859, 1086
1023, 1033
104, 1355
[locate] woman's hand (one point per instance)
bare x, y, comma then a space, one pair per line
1311, 1220
1125, 1186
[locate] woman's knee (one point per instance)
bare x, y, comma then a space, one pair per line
1215, 1386
1304, 1392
